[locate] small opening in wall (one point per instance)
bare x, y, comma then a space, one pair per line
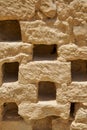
43, 124
46, 91
45, 52
10, 71
68, 1
72, 110
10, 31
10, 111
79, 70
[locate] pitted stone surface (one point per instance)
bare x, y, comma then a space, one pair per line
43, 65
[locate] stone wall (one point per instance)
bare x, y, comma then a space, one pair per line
43, 64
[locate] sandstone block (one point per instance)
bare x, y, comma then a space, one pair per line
44, 71
81, 116
80, 34
15, 51
78, 126
72, 52
38, 32
17, 93
17, 9
75, 92
43, 109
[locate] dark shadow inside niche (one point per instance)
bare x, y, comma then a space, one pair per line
10, 71
43, 124
79, 70
10, 112
72, 110
10, 31
45, 52
46, 91
68, 1
75, 106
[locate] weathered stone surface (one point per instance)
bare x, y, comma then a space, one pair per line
81, 116
17, 50
43, 65
44, 71
17, 93
80, 34
14, 52
43, 109
80, 120
48, 8
38, 32
76, 92
78, 126
72, 52
17, 9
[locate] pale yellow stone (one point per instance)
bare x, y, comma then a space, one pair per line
17, 93
37, 71
58, 23
75, 92
72, 52
17, 9
43, 109
37, 32
18, 51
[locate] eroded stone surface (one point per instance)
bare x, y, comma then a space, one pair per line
43, 109
38, 32
21, 9
45, 71
60, 26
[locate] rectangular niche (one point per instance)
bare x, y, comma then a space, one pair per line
10, 71
10, 111
43, 124
74, 108
79, 70
46, 91
45, 52
10, 31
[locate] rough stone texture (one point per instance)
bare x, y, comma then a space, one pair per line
17, 9
43, 64
18, 51
38, 32
43, 109
44, 71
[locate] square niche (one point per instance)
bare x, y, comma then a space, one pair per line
10, 71
10, 31
46, 91
45, 52
79, 70
10, 111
